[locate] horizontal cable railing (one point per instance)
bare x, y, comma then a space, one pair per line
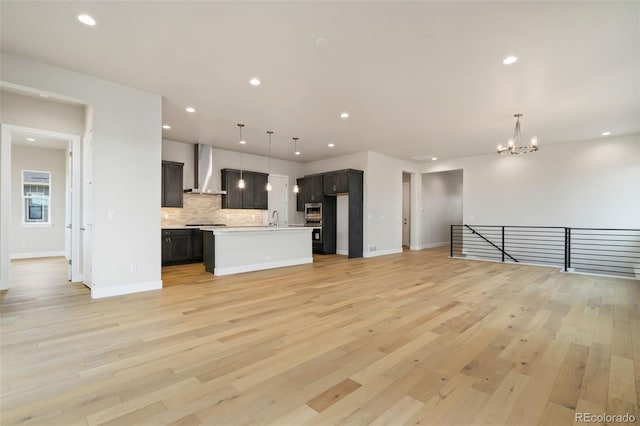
588, 250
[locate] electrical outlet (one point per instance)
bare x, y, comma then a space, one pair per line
133, 268
23, 244
372, 248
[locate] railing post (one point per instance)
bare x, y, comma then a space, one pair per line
451, 240
568, 248
566, 236
503, 243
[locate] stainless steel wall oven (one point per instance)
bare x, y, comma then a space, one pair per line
313, 214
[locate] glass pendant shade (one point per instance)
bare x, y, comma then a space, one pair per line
295, 165
242, 142
269, 188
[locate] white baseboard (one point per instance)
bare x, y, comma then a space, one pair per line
382, 252
118, 290
430, 245
38, 254
343, 252
260, 266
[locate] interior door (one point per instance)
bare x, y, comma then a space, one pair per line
406, 214
278, 199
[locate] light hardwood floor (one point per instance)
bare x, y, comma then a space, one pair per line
414, 338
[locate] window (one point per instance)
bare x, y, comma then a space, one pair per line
36, 190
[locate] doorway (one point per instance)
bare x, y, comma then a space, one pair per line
441, 206
406, 210
33, 198
278, 199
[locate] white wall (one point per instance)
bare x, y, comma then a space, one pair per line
43, 240
383, 207
182, 153
357, 161
39, 113
593, 183
441, 206
224, 159
127, 147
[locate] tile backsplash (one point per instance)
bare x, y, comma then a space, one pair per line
199, 208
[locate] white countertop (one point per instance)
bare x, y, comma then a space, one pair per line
232, 229
180, 227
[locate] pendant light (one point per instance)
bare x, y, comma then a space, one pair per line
269, 132
242, 142
295, 152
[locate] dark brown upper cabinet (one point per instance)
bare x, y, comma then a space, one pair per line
172, 184
252, 196
336, 182
300, 195
313, 192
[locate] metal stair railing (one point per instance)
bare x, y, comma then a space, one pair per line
599, 251
501, 250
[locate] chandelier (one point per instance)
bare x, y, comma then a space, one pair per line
515, 145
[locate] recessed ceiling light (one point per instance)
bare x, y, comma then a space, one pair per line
44, 95
344, 115
243, 142
331, 145
321, 41
166, 126
87, 19
254, 82
190, 109
297, 152
434, 158
31, 139
510, 60
605, 133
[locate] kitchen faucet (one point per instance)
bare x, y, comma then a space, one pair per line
277, 218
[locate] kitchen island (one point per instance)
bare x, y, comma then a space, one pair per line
243, 249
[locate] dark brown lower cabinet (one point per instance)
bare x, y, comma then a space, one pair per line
181, 246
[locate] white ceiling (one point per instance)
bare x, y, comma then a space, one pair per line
21, 138
418, 78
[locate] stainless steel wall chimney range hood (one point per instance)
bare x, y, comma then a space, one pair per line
203, 171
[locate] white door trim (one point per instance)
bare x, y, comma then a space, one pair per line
283, 217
